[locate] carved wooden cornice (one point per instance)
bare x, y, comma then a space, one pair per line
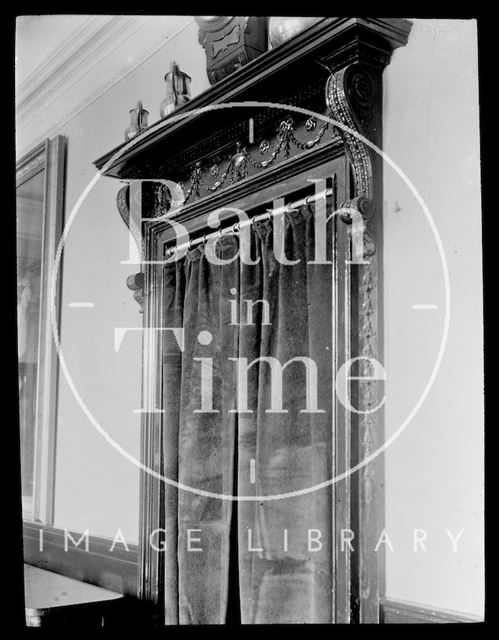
332, 43
346, 55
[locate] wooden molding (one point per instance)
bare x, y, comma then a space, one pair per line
31, 163
261, 78
401, 612
49, 157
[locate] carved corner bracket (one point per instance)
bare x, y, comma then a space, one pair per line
351, 96
134, 282
156, 200
346, 91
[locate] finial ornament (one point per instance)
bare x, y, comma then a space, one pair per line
138, 121
178, 90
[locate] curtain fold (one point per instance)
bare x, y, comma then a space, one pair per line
199, 433
285, 576
281, 442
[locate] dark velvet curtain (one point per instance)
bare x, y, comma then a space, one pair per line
269, 449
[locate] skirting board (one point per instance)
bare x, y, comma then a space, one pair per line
400, 612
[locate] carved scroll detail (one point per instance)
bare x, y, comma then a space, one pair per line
136, 281
361, 90
350, 96
156, 201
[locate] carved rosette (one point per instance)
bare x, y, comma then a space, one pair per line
350, 95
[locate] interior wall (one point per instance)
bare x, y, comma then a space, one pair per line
434, 468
